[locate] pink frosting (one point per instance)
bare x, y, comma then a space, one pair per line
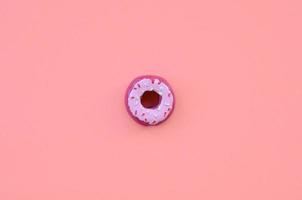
149, 116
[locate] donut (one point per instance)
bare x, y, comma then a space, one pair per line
149, 100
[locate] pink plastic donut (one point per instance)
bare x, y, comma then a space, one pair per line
149, 100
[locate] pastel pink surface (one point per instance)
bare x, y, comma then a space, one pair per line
235, 66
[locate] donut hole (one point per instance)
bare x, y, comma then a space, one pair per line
150, 99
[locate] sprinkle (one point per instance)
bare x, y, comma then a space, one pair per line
169, 109
165, 114
132, 97
167, 104
154, 122
135, 113
169, 95
146, 120
138, 85
143, 114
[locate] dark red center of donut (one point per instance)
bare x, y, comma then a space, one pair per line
150, 99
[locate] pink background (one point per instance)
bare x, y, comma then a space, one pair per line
235, 67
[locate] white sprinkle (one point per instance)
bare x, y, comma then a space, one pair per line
167, 104
156, 81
